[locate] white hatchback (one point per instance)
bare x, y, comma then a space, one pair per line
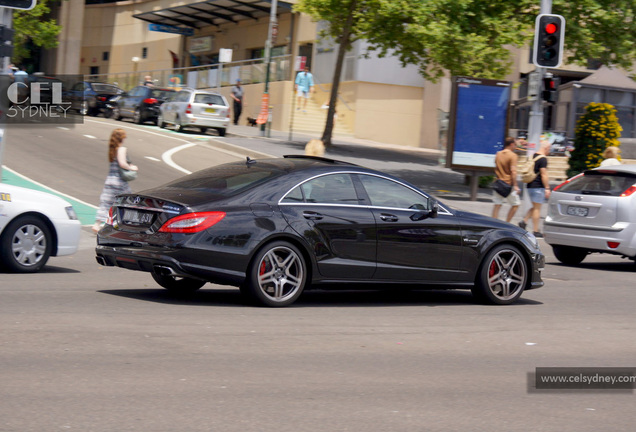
190, 107
593, 212
34, 225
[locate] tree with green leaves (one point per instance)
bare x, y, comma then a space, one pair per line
596, 129
472, 37
34, 28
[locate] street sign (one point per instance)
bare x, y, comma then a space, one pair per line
534, 85
185, 31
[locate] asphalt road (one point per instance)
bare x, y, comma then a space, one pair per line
89, 348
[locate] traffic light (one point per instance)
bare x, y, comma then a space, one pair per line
549, 35
18, 4
6, 39
550, 86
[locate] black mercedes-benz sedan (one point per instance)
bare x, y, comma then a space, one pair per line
276, 227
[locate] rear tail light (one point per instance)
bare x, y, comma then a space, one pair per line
630, 190
190, 223
567, 181
150, 101
111, 216
102, 98
612, 245
189, 109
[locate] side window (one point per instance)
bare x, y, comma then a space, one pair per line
330, 189
295, 196
182, 96
387, 193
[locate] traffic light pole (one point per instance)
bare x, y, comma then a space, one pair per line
535, 122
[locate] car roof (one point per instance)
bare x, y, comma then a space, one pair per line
627, 168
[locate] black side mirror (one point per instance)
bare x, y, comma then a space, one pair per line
422, 213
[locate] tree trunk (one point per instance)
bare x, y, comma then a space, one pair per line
345, 43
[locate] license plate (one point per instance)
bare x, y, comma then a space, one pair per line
135, 217
210, 110
578, 211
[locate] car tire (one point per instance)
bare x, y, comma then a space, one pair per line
177, 124
26, 245
116, 113
137, 117
569, 255
276, 276
160, 122
178, 285
502, 276
83, 110
221, 131
203, 130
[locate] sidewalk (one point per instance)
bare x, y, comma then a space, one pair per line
418, 166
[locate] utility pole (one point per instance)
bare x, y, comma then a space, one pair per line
273, 28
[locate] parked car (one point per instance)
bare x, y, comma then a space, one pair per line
593, 212
141, 103
90, 98
34, 226
275, 227
189, 107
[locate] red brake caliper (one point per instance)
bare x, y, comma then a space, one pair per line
492, 269
261, 271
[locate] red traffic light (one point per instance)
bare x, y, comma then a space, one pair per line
549, 36
551, 28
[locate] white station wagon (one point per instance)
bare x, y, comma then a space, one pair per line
34, 226
593, 212
202, 109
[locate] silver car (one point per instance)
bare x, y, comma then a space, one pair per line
190, 107
593, 212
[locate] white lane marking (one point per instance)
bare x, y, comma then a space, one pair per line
63, 128
90, 136
167, 157
152, 158
47, 187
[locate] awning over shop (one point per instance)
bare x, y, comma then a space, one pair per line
213, 13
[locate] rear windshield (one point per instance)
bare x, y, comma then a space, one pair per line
210, 99
105, 88
226, 180
161, 94
600, 183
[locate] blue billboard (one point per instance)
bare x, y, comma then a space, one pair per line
479, 120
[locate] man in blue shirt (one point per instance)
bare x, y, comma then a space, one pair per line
304, 86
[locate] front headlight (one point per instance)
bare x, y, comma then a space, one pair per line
532, 239
70, 211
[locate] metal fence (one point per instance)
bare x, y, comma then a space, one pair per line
205, 76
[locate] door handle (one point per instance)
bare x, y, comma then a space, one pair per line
312, 215
388, 217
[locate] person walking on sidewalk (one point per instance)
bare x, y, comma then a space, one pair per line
114, 184
237, 95
506, 172
538, 189
304, 86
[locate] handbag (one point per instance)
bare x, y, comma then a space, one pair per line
502, 188
126, 174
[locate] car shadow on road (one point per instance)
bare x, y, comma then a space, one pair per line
315, 298
618, 266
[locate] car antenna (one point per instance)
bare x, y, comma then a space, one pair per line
250, 161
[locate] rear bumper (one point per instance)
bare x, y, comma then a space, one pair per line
208, 122
593, 238
163, 261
